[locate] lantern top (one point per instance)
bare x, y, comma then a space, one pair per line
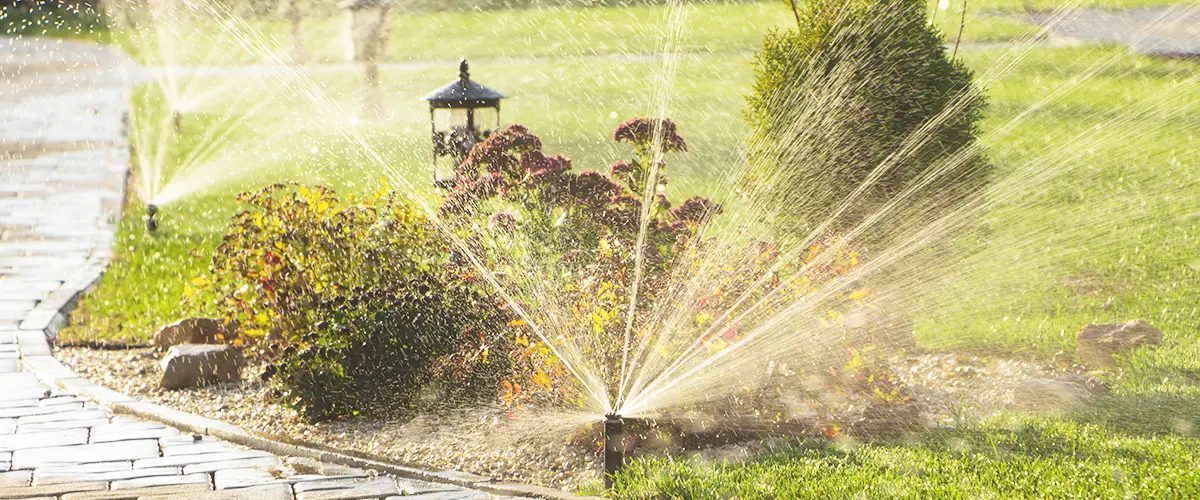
463, 93
363, 4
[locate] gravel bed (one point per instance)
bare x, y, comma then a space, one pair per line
560, 451
486, 442
948, 384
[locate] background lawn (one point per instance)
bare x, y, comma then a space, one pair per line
1116, 239
517, 34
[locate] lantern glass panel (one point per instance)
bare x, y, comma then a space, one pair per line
487, 119
448, 119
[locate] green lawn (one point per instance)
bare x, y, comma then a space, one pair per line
1114, 240
34, 19
1004, 458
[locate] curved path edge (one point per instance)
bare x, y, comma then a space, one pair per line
55, 374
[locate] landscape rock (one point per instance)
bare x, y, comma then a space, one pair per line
1041, 394
190, 365
194, 331
1096, 344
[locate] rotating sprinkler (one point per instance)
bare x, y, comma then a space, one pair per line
177, 120
151, 217
614, 449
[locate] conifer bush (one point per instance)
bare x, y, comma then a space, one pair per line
846, 93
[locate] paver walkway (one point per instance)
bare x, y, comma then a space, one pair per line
60, 446
1162, 31
63, 167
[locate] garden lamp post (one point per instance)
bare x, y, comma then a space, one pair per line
458, 113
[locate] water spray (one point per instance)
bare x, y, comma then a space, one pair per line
151, 217
614, 449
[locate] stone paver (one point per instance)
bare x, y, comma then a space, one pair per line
163, 480
49, 490
21, 386
200, 458
346, 489
268, 492
265, 462
241, 478
444, 495
63, 424
136, 493
1164, 31
66, 437
61, 416
195, 448
15, 478
30, 458
38, 409
107, 476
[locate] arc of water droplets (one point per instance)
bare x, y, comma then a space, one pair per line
664, 83
1009, 189
682, 359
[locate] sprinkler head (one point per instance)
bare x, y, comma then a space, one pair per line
177, 119
614, 448
151, 218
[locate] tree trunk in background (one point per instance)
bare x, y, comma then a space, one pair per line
373, 46
372, 105
295, 16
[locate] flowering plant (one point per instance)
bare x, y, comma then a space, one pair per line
518, 206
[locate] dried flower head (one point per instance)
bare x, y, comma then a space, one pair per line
641, 133
695, 210
592, 188
623, 212
503, 222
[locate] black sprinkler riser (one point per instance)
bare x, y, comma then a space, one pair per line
151, 218
614, 449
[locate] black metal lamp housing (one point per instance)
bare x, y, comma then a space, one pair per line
458, 113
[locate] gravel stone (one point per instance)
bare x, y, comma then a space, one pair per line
486, 443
